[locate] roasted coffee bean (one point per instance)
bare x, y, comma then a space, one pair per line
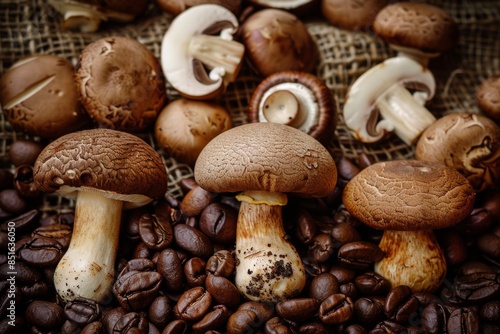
474, 266
346, 171
110, 318
453, 246
25, 274
305, 226
59, 232
82, 311
44, 314
401, 304
315, 327
425, 298
8, 294
463, 320
24, 183
23, 222
169, 265
343, 233
349, 289
243, 321
24, 151
41, 251
193, 304
12, 202
194, 271
95, 327
195, 201
388, 327
477, 287
214, 320
276, 326
38, 290
218, 222
131, 320
313, 267
343, 275
489, 244
485, 328
490, 311
359, 254
160, 311
223, 291
371, 283
434, 318
321, 247
142, 251
193, 241
368, 311
478, 221
177, 326
298, 309
155, 231
323, 285
355, 329
14, 326
336, 309
221, 263
263, 310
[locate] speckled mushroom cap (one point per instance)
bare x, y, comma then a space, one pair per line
416, 25
409, 195
119, 164
467, 142
488, 97
268, 157
121, 83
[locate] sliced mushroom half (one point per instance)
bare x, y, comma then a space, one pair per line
381, 92
198, 54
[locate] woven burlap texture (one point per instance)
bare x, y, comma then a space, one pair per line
32, 27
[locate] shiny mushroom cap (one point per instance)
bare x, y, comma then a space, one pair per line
39, 97
409, 195
120, 165
488, 97
121, 83
266, 157
351, 14
467, 142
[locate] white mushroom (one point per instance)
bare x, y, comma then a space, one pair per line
196, 61
382, 89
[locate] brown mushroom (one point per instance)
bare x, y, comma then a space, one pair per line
300, 8
467, 142
266, 161
39, 97
121, 83
184, 127
352, 14
488, 97
408, 199
107, 171
276, 40
175, 7
294, 98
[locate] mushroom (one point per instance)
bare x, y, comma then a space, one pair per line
382, 91
294, 98
121, 83
107, 171
488, 97
296, 7
276, 40
39, 97
467, 142
184, 127
266, 161
198, 54
351, 14
408, 199
86, 16
175, 7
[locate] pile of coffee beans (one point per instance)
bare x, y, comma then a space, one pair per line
176, 263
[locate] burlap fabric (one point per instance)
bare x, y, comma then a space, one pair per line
32, 27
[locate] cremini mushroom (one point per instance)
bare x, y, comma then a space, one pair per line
86, 16
297, 7
121, 83
184, 127
266, 161
351, 14
467, 142
408, 199
488, 97
175, 7
198, 54
276, 40
294, 98
107, 171
39, 97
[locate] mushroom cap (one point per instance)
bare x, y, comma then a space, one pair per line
268, 157
121, 83
467, 142
184, 127
39, 97
409, 195
351, 15
488, 97
175, 7
416, 25
119, 164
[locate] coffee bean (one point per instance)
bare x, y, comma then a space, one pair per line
12, 202
37, 290
490, 311
349, 289
321, 247
22, 222
24, 151
343, 233
59, 232
371, 283
463, 320
346, 171
82, 311
368, 311
223, 291
24, 183
169, 265
41, 251
305, 226
323, 286
343, 275
276, 326
25, 274
193, 241
478, 221
401, 304
142, 251
434, 318
477, 287
195, 201
218, 222
313, 267
489, 245
44, 314
194, 271
263, 310
129, 322
160, 311
155, 231
474, 266
177, 326
453, 246
221, 263
95, 327
336, 309
298, 309
388, 327
193, 304
243, 321
359, 254
214, 320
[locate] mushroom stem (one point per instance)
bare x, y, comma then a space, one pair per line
282, 107
88, 266
412, 258
405, 112
418, 55
269, 267
78, 17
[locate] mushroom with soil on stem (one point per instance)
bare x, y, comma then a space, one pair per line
198, 54
266, 161
297, 99
107, 171
408, 199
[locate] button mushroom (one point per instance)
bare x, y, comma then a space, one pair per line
266, 161
297, 7
298, 99
198, 54
106, 170
39, 97
468, 142
408, 199
184, 127
488, 97
351, 14
121, 83
276, 40
175, 7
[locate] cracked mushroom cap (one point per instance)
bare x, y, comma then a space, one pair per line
39, 97
488, 97
118, 164
267, 157
409, 195
121, 83
467, 142
416, 25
